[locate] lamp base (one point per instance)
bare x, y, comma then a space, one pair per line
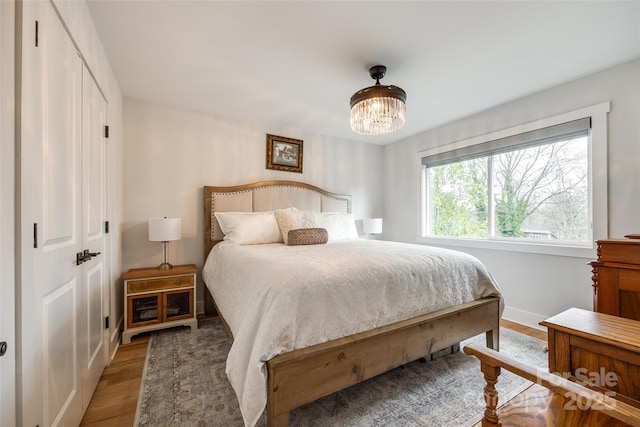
165, 266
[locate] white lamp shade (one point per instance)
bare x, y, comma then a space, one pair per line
165, 229
372, 225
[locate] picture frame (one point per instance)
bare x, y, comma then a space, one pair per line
284, 154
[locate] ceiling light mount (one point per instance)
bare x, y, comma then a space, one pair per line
377, 72
378, 109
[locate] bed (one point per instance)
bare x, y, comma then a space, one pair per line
258, 305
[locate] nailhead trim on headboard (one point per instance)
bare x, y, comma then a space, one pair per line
338, 197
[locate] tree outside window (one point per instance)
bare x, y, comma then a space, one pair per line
540, 192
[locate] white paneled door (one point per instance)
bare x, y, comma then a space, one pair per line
51, 223
94, 269
63, 205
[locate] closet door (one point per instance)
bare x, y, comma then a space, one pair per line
94, 270
51, 198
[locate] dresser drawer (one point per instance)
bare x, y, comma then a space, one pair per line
147, 285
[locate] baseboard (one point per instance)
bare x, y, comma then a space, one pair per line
114, 339
115, 350
524, 317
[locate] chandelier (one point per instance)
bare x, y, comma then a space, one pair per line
378, 109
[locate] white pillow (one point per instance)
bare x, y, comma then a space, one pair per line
339, 226
249, 228
293, 219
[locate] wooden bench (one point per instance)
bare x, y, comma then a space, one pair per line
551, 401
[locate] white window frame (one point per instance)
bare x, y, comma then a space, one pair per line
598, 182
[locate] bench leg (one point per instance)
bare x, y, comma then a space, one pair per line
491, 374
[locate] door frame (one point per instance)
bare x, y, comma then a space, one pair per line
7, 213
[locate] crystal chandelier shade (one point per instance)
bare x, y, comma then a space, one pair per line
378, 109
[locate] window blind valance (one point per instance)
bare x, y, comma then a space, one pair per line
555, 133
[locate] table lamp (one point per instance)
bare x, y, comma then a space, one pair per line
164, 230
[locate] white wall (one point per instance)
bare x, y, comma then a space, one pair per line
170, 154
535, 286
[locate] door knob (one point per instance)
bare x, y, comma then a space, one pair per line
88, 254
3, 348
85, 256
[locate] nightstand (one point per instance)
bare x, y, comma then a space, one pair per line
157, 299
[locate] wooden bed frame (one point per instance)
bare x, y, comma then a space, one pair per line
304, 375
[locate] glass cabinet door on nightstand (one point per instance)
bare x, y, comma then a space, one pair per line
157, 299
178, 304
144, 310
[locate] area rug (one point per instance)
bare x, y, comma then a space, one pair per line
184, 384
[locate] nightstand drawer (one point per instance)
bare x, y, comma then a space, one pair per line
159, 284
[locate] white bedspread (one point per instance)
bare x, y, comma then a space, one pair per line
278, 298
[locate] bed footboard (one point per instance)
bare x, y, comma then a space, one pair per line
304, 375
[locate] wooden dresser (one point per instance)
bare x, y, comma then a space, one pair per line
616, 277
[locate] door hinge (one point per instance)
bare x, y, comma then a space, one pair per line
106, 322
106, 131
36, 33
106, 227
35, 235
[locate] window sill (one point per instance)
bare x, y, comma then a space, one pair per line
501, 245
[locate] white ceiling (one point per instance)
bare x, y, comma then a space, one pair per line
295, 64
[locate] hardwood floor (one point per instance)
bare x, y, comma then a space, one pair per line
538, 406
114, 402
536, 333
116, 397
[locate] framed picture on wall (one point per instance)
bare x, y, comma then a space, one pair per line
284, 154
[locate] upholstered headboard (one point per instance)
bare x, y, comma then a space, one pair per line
266, 196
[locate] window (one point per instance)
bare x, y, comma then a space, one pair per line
533, 187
